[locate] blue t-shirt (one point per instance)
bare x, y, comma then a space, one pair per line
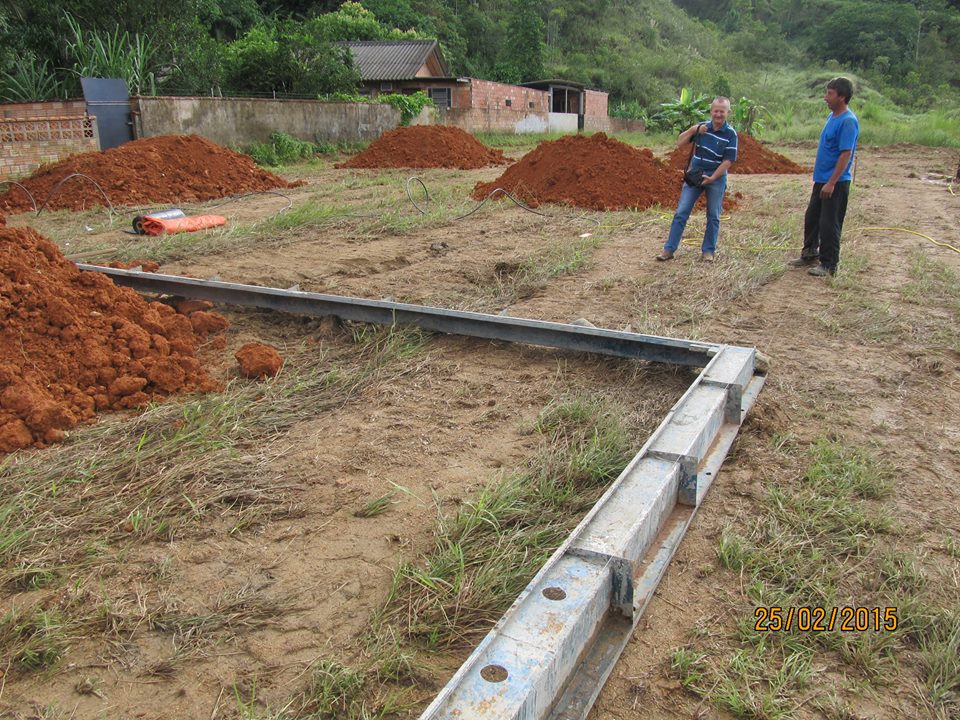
839, 134
714, 146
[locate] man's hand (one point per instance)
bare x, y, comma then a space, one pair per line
707, 179
826, 192
699, 128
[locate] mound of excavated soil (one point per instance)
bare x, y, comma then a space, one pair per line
165, 169
426, 146
73, 343
753, 158
595, 172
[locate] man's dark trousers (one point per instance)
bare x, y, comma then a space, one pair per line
823, 224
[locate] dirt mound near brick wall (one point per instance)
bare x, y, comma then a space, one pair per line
161, 170
72, 343
595, 172
426, 146
753, 158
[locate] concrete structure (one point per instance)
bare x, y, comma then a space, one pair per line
550, 654
487, 106
406, 66
242, 121
33, 134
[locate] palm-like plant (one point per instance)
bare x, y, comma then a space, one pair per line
29, 81
115, 55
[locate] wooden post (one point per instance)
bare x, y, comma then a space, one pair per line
957, 176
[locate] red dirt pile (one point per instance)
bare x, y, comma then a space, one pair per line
258, 361
753, 158
426, 146
73, 343
165, 169
595, 172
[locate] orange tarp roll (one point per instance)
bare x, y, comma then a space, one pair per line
169, 226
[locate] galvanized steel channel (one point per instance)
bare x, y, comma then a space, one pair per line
491, 327
550, 654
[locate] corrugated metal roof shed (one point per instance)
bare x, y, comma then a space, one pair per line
393, 59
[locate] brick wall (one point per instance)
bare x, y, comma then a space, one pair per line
493, 95
500, 120
48, 108
27, 144
595, 103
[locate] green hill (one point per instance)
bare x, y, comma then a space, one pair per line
903, 54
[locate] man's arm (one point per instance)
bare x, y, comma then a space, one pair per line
687, 135
719, 172
827, 190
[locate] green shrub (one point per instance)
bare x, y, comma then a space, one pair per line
283, 149
408, 105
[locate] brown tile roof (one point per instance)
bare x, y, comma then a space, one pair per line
393, 59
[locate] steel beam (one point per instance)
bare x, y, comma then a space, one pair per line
490, 327
556, 666
550, 654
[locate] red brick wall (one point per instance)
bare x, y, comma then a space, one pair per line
48, 108
487, 94
596, 103
27, 144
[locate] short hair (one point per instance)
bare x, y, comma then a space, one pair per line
722, 99
843, 86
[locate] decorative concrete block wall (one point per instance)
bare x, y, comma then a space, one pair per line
25, 145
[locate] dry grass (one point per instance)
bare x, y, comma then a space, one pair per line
68, 514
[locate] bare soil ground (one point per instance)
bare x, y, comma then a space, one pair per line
229, 615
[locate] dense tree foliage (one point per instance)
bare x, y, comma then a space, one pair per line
641, 51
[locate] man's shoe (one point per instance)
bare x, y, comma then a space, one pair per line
822, 271
707, 257
665, 255
803, 261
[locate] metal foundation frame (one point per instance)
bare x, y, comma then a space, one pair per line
550, 654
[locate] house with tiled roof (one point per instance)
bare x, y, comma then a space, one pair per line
404, 66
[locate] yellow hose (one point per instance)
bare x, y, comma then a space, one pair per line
914, 232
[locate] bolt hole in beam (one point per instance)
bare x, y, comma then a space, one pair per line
610, 565
554, 593
494, 673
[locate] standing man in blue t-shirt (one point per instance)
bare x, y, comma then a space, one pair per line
823, 221
715, 150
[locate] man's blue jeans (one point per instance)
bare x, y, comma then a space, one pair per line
688, 197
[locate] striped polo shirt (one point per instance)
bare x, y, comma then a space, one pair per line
714, 146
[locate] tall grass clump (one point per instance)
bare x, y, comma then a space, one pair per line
486, 552
283, 149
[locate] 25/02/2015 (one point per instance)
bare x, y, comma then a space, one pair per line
818, 619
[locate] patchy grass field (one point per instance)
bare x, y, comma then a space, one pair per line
331, 543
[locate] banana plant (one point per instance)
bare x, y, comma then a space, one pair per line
678, 115
748, 117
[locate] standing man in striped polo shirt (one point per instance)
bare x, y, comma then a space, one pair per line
715, 151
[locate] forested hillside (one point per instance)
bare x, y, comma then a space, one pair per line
906, 52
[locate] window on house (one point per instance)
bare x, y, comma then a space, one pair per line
530, 104
386, 87
509, 102
440, 97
